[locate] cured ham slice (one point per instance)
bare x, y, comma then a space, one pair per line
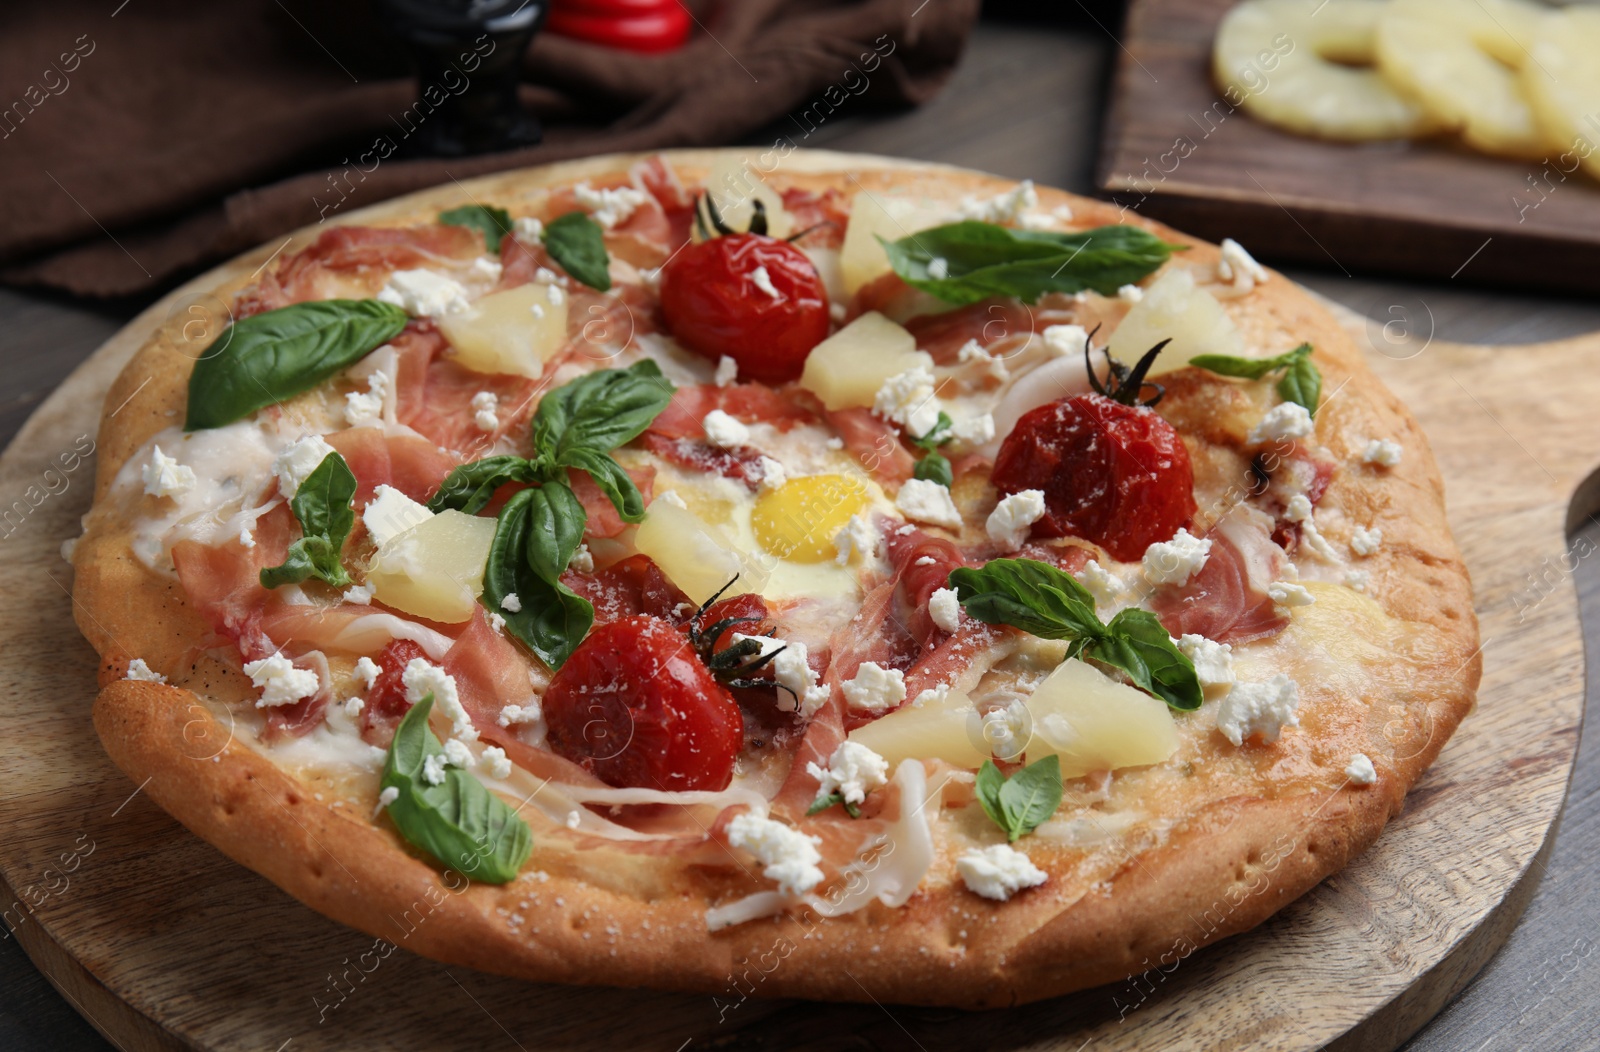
355, 260
875, 443
990, 322
747, 403
410, 464
603, 518
628, 588
1227, 600
434, 394
824, 215
741, 464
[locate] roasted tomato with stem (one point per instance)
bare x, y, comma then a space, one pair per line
754, 298
644, 703
1112, 470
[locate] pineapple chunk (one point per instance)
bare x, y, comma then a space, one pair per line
1095, 723
504, 332
1458, 58
1312, 88
848, 367
1563, 83
862, 259
695, 555
435, 568
736, 188
946, 729
1176, 308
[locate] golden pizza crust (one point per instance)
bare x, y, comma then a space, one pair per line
601, 915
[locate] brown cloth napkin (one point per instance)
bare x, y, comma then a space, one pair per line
140, 143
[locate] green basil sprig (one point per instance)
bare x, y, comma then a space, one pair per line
983, 259
578, 244
1023, 802
492, 223
574, 429
933, 465
1043, 601
1301, 382
277, 354
322, 504
458, 822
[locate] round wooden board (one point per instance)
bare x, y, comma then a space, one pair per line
163, 943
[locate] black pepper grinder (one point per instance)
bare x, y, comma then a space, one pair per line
468, 56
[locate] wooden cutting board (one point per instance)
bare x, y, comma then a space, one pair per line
1174, 150
165, 944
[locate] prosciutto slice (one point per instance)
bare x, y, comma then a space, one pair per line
434, 394
1227, 601
346, 255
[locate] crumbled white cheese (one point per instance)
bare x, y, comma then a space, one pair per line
1177, 560
1238, 267
974, 430
1012, 519
790, 857
359, 594
1287, 593
512, 603
495, 762
1130, 294
1382, 452
834, 442
456, 753
727, 371
934, 695
973, 351
1006, 207
1006, 730
366, 407
924, 500
609, 207
670, 496
165, 477
724, 430
1312, 540
582, 560
423, 294
907, 399
998, 872
875, 688
1259, 709
1107, 588
485, 407
353, 706
1365, 541
1064, 340
367, 671
497, 623
546, 276
938, 268
857, 538
528, 229
143, 673
1360, 770
773, 473
555, 295
280, 682
391, 513
853, 771
801, 690
386, 797
296, 463
1213, 662
574, 819
433, 769
421, 678
944, 607
763, 281
246, 538
1358, 579
486, 268
514, 714
1298, 509
1286, 420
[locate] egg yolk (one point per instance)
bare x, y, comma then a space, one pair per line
798, 520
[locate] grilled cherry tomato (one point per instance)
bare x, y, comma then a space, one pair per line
1112, 470
636, 705
754, 298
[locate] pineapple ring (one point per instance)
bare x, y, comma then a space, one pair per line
1313, 87
1563, 83
1459, 58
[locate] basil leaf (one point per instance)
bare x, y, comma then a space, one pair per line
1030, 796
822, 803
578, 244
1300, 383
322, 505
555, 529
1145, 651
934, 468
1030, 595
458, 822
613, 481
600, 411
268, 357
470, 487
940, 433
990, 782
984, 259
492, 223
553, 619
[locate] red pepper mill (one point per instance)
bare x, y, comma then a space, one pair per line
649, 26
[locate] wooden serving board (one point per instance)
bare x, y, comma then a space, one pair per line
1174, 150
165, 944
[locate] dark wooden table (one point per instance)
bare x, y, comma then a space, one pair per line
1026, 103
